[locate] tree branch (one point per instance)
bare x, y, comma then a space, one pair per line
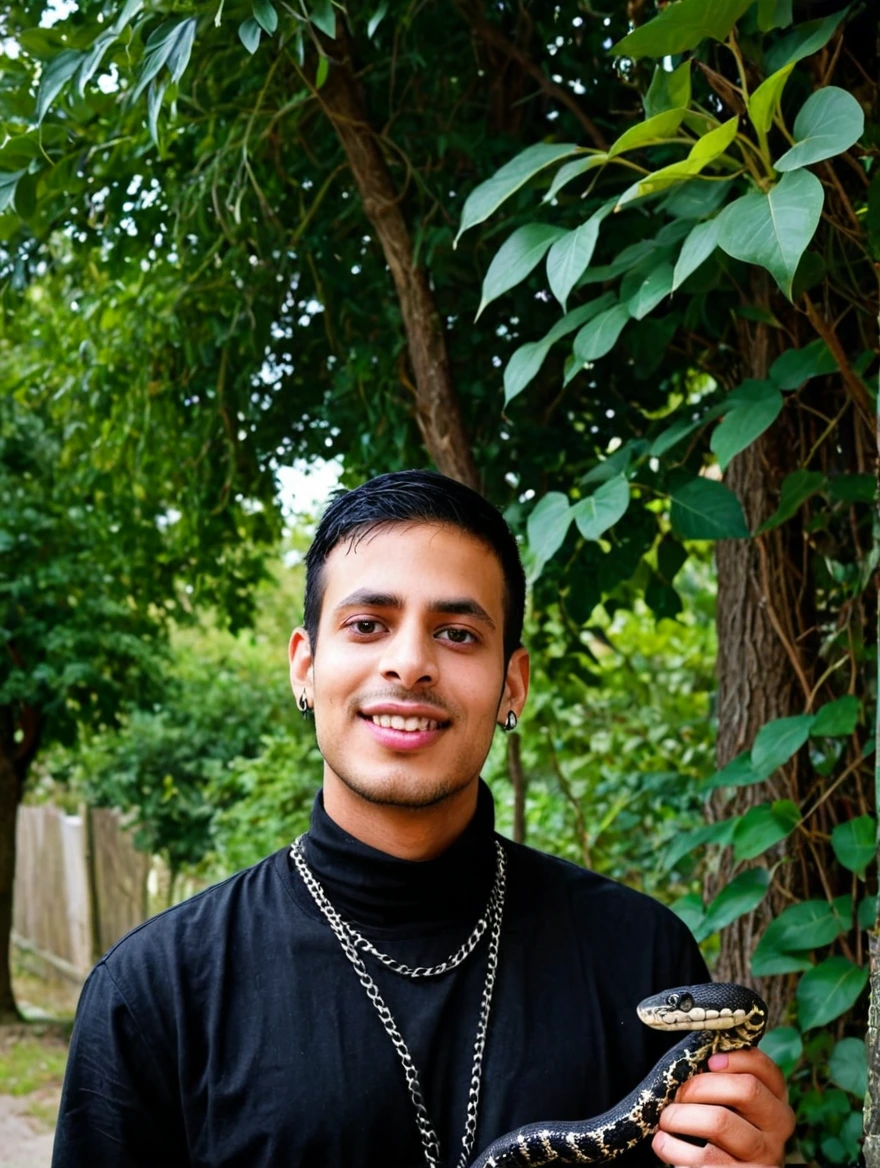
437, 406
495, 38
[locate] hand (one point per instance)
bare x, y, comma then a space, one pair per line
740, 1107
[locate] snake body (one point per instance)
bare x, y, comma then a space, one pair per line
719, 1017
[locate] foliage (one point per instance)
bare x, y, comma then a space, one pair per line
717, 197
29, 1064
617, 739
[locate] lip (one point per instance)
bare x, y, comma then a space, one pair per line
404, 710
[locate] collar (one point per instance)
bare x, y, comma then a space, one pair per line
369, 887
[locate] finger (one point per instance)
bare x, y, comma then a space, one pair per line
683, 1155
727, 1131
754, 1062
748, 1096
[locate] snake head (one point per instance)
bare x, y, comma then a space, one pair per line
716, 1006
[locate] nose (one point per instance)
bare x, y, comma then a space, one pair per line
409, 657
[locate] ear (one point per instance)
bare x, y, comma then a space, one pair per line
516, 685
299, 653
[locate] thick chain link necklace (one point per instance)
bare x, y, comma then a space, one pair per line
351, 941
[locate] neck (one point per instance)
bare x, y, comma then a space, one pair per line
407, 833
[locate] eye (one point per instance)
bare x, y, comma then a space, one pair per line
365, 626
458, 636
673, 1000
687, 1002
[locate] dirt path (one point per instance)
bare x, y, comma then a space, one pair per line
25, 1135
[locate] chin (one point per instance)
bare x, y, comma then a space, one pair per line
407, 792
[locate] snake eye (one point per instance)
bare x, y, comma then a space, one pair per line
687, 1002
673, 1000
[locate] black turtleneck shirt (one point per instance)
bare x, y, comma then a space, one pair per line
232, 1032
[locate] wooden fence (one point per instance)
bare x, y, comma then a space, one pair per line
80, 884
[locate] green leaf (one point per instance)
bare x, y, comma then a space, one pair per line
829, 122
695, 199
519, 255
92, 59
704, 509
778, 740
376, 19
774, 230
848, 1066
868, 912
784, 1045
797, 487
763, 826
322, 71
739, 772
249, 33
838, 718
695, 250
155, 93
659, 180
655, 287
774, 14
855, 843
768, 962
570, 255
178, 58
601, 510
828, 990
796, 366
853, 488
803, 41
689, 908
682, 26
763, 103
548, 525
599, 336
808, 925
751, 409
680, 428
710, 146
54, 77
742, 895
527, 360
8, 183
654, 129
266, 16
489, 195
720, 833
169, 44
571, 170
669, 90
323, 17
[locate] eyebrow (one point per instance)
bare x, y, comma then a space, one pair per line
460, 606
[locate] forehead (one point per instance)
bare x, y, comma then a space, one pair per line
418, 562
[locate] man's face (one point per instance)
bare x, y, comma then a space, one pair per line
408, 679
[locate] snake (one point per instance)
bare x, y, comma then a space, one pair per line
718, 1016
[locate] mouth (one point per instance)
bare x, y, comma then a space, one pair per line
409, 725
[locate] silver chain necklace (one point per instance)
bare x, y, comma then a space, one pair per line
351, 941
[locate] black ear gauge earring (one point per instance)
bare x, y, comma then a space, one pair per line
510, 722
303, 705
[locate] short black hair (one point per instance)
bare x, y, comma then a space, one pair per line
416, 496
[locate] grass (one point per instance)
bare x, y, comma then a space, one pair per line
31, 1062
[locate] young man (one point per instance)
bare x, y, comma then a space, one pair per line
400, 987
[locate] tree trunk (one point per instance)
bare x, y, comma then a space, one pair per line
763, 664
437, 406
872, 1042
10, 794
518, 782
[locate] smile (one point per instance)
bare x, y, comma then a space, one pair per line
398, 722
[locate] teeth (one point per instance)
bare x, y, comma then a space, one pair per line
398, 722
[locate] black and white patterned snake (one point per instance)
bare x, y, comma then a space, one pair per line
718, 1016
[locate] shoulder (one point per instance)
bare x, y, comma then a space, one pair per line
595, 905
208, 922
